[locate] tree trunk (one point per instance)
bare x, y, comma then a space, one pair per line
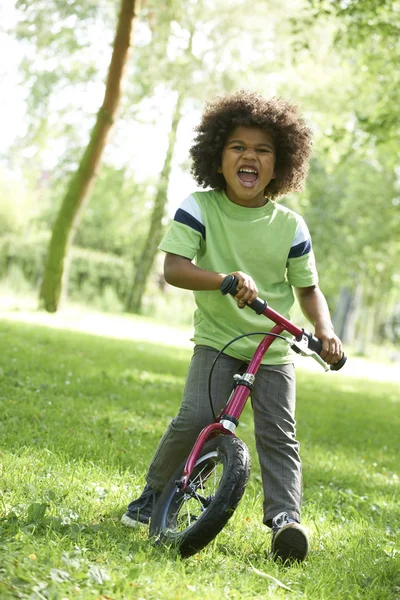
350, 325
365, 332
145, 263
342, 307
77, 192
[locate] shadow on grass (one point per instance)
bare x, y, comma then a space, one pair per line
86, 396
63, 389
102, 531
92, 400
348, 415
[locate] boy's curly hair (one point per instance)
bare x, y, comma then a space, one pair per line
292, 139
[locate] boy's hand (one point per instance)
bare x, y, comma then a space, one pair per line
332, 350
247, 290
315, 308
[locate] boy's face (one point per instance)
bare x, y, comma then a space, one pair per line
248, 163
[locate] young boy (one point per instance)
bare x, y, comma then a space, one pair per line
249, 151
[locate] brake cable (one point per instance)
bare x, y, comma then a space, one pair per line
224, 348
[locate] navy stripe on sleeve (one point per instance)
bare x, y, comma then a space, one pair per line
181, 216
300, 249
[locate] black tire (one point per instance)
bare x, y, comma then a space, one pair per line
190, 521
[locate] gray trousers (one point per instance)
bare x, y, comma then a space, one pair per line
273, 400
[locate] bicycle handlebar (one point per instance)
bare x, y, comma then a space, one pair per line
229, 286
316, 346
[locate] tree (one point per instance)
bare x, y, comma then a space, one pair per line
368, 35
352, 200
357, 247
193, 71
144, 264
73, 202
118, 208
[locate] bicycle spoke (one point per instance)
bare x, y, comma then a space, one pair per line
188, 513
190, 518
190, 504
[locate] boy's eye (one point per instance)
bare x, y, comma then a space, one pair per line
259, 150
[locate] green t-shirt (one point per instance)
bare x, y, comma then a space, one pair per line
271, 244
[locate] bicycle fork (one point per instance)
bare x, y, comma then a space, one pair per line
228, 419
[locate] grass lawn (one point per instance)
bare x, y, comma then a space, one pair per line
80, 416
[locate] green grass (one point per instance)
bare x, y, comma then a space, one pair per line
80, 417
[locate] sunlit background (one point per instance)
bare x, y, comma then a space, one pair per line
336, 60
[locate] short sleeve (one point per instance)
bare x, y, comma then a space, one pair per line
186, 232
301, 268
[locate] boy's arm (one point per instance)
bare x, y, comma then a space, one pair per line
181, 272
315, 308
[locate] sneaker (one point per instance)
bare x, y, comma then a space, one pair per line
139, 511
289, 539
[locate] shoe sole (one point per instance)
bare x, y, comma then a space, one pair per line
128, 522
290, 544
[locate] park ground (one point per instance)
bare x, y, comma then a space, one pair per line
85, 397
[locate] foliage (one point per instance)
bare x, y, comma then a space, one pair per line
81, 416
362, 19
25, 253
338, 59
353, 216
97, 271
391, 328
183, 55
115, 221
351, 202
338, 207
91, 272
368, 34
116, 217
58, 39
67, 48
16, 205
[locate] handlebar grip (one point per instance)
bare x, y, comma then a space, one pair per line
316, 346
258, 306
229, 286
339, 364
314, 343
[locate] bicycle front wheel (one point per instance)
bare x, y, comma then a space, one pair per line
190, 519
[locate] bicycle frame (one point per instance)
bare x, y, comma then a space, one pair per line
234, 408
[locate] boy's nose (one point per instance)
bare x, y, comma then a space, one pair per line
250, 153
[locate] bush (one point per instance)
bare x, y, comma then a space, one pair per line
92, 274
16, 204
95, 272
391, 328
16, 280
25, 253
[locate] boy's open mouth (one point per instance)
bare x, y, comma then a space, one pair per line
248, 176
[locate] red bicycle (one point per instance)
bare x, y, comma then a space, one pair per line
204, 492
